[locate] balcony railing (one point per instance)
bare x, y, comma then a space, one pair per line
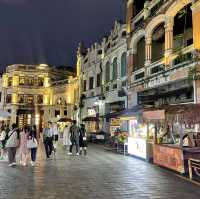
156, 6
156, 67
183, 55
60, 82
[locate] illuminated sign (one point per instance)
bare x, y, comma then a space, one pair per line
154, 115
115, 122
91, 111
137, 147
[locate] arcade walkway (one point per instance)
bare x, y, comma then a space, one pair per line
100, 175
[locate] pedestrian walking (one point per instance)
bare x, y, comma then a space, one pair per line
83, 139
23, 150
74, 137
33, 144
12, 143
55, 136
2, 142
66, 137
48, 140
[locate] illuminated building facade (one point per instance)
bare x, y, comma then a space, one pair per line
103, 76
163, 46
34, 94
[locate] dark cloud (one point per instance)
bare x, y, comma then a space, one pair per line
50, 30
15, 2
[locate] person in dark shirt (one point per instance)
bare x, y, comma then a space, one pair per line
83, 139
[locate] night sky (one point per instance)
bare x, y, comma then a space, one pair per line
48, 31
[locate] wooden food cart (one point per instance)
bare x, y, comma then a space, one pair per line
177, 135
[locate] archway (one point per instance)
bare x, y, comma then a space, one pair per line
139, 61
138, 49
158, 43
124, 64
182, 31
107, 72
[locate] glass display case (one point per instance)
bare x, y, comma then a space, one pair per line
140, 135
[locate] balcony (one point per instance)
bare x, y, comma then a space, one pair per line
182, 56
60, 82
138, 76
156, 68
138, 21
155, 6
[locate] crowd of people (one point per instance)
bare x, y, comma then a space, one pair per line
25, 141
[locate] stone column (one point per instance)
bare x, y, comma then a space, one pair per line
119, 81
168, 40
130, 65
196, 27
14, 115
129, 15
146, 9
148, 53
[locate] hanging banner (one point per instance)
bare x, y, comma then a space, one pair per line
154, 115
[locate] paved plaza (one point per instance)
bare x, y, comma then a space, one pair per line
100, 175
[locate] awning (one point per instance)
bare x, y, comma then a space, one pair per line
65, 119
126, 113
113, 114
183, 113
90, 119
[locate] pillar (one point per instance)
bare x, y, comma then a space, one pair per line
5, 80
148, 51
46, 114
146, 9
15, 81
14, 98
129, 15
13, 115
168, 40
196, 27
130, 64
46, 82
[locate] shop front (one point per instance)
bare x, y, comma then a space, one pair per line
176, 136
140, 139
130, 121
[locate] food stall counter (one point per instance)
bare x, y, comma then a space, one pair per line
174, 157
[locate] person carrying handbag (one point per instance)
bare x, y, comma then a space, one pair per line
2, 143
12, 142
32, 144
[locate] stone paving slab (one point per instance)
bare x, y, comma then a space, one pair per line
100, 175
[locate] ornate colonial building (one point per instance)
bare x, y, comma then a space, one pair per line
163, 44
34, 94
103, 76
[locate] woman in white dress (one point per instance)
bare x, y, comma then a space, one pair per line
66, 137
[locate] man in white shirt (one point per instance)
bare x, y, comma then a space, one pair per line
48, 139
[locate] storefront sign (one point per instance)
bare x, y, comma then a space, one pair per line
91, 111
137, 147
154, 115
115, 122
169, 157
157, 81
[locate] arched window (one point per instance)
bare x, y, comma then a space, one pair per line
114, 72
123, 65
107, 75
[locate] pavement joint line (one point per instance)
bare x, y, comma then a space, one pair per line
187, 179
169, 171
178, 175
